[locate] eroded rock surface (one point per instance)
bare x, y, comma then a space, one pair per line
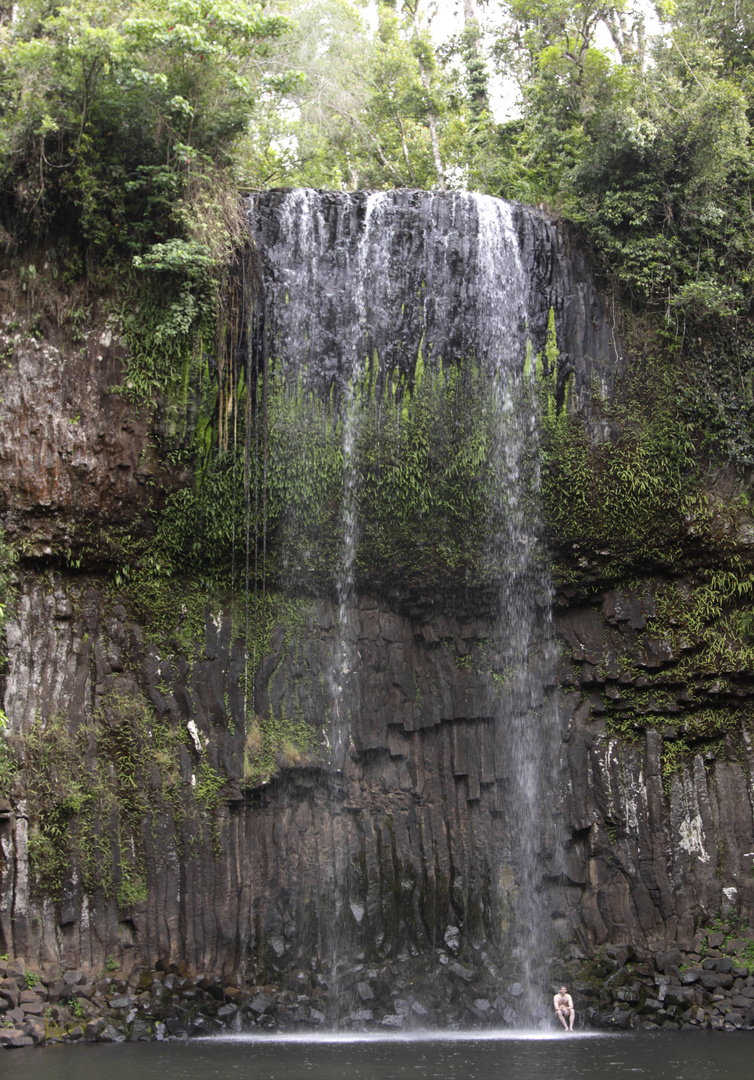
191, 853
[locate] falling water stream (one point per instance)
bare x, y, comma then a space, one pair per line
397, 276
527, 716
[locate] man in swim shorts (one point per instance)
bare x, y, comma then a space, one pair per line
564, 1009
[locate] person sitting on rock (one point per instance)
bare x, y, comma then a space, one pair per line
564, 1009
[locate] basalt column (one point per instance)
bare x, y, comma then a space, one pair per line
355, 761
364, 297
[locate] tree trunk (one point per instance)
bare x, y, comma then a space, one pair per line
476, 68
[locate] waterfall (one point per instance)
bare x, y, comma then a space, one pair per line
363, 293
527, 715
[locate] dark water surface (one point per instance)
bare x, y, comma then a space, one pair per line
661, 1056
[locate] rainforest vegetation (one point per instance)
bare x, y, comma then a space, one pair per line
127, 128
128, 131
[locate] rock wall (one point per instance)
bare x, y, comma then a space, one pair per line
75, 458
406, 855
408, 845
659, 846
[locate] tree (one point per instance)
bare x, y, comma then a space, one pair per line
652, 161
108, 111
373, 109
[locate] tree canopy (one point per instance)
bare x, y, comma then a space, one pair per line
130, 125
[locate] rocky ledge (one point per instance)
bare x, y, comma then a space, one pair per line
700, 984
412, 993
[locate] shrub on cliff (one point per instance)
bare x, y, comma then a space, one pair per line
109, 113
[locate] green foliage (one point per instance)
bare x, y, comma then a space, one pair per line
651, 160
8, 560
8, 759
167, 323
702, 630
628, 496
733, 927
375, 109
94, 794
427, 476
132, 888
424, 475
275, 741
720, 400
118, 127
106, 111
208, 786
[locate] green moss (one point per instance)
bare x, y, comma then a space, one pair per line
424, 477
627, 501
92, 794
275, 741
208, 786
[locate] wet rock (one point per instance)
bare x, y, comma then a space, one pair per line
423, 758
13, 1038
139, 1032
226, 1012
392, 1021
679, 995
34, 1027
56, 989
453, 938
621, 954
32, 1008
29, 997
506, 1012
94, 1028
669, 959
261, 1003
711, 980
466, 974
10, 992
111, 1034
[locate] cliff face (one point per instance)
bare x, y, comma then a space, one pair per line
169, 806
661, 830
